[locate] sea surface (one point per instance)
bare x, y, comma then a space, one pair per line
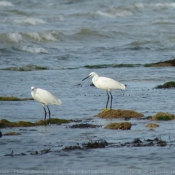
70, 39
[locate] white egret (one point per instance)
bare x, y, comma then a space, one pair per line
45, 98
106, 84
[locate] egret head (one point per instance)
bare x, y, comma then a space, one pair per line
90, 75
32, 88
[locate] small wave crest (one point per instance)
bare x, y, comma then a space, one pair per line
114, 13
11, 37
5, 4
33, 49
156, 5
25, 20
42, 36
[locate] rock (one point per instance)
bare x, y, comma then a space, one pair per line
152, 125
11, 133
6, 123
107, 113
122, 125
162, 64
167, 85
95, 144
0, 134
163, 116
84, 125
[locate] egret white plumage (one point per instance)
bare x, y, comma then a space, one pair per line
45, 98
106, 84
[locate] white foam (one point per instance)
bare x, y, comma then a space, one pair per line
25, 20
114, 14
48, 36
14, 37
5, 3
105, 14
165, 5
33, 49
34, 35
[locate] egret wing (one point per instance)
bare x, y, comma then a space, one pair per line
47, 97
110, 84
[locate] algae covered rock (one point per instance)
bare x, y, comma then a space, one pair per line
11, 133
121, 125
163, 116
26, 68
6, 123
167, 63
152, 125
167, 85
4, 98
107, 113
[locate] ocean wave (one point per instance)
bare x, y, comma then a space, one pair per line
11, 37
113, 13
164, 21
5, 3
156, 5
34, 36
33, 49
25, 20
48, 36
42, 36
164, 5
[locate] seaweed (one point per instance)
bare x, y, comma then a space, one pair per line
6, 123
170, 84
26, 68
12, 98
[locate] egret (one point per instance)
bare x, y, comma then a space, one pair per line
106, 84
45, 98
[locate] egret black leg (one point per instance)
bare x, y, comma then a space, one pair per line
45, 113
107, 99
111, 99
49, 114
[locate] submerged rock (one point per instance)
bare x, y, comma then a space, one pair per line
160, 64
107, 113
84, 125
152, 125
6, 123
14, 99
142, 143
95, 144
163, 116
121, 125
26, 68
167, 85
11, 133
88, 145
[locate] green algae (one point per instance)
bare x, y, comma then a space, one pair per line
170, 84
98, 66
166, 63
3, 98
163, 116
162, 63
26, 68
6, 123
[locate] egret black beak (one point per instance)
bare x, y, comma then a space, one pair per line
86, 77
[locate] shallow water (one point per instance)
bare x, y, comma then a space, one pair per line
65, 37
